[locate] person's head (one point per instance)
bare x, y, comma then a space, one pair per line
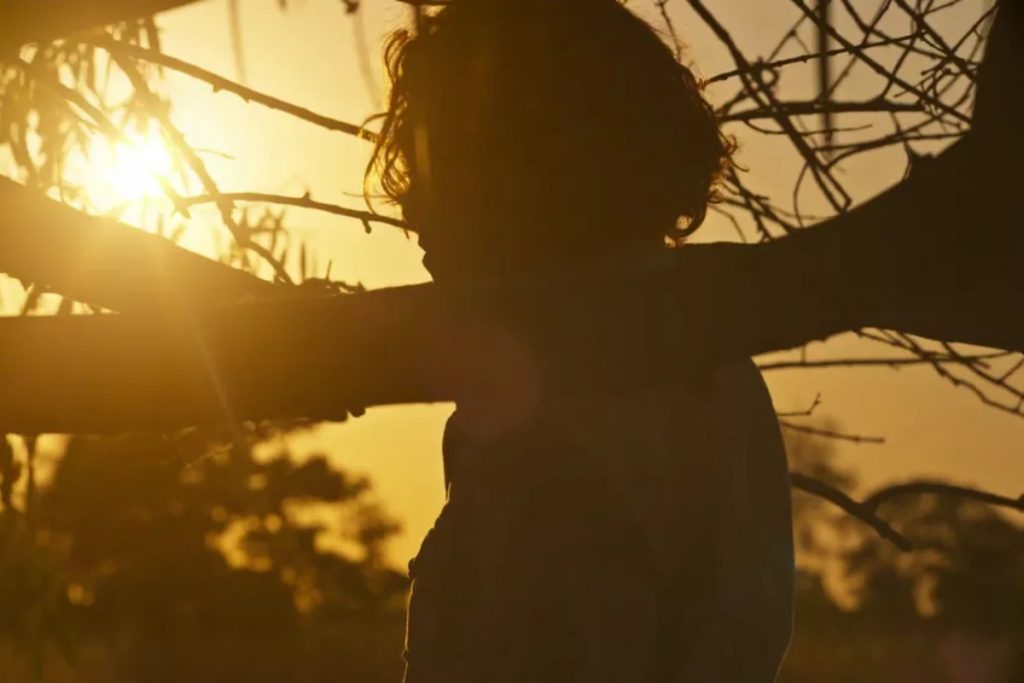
523, 134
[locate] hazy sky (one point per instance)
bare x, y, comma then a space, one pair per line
310, 55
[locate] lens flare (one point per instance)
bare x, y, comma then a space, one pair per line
129, 169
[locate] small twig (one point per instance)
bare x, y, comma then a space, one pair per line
879, 362
801, 59
670, 26
305, 202
857, 510
807, 412
218, 82
816, 107
829, 434
923, 486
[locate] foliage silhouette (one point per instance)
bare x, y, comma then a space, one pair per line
147, 554
947, 611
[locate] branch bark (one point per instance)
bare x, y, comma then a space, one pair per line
107, 264
24, 21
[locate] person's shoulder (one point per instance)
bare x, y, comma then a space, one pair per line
741, 393
741, 376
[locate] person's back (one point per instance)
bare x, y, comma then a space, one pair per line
640, 535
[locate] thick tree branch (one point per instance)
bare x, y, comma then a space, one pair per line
24, 21
101, 262
896, 261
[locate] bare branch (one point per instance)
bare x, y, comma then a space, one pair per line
857, 510
923, 486
22, 21
218, 83
305, 202
830, 434
817, 107
892, 362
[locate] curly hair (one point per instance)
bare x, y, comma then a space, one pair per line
565, 123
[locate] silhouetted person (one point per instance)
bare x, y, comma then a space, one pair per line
638, 535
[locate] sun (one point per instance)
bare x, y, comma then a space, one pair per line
128, 170
136, 180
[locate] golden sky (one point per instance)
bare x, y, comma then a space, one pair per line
309, 55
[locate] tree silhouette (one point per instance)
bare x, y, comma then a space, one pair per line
949, 610
157, 545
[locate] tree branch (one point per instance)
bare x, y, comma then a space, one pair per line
829, 433
913, 488
219, 83
303, 202
939, 255
24, 21
894, 262
99, 261
858, 510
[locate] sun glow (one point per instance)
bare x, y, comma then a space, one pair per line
128, 170
136, 180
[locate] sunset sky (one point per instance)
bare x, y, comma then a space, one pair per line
310, 54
